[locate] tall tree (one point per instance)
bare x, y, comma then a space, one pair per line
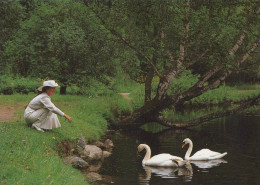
63, 41
10, 15
211, 38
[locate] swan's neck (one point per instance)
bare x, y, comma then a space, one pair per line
148, 153
187, 155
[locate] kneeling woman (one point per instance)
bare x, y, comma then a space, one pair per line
41, 112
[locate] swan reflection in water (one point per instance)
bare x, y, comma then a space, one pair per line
167, 172
208, 164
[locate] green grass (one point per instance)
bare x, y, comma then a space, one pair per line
31, 157
212, 99
188, 115
227, 93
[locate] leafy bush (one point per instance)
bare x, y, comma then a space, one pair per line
21, 85
6, 86
90, 88
7, 90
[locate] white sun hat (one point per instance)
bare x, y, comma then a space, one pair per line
49, 83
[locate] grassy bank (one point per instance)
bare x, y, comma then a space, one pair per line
225, 97
31, 157
227, 94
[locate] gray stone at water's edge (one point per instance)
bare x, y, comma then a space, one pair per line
106, 154
76, 162
92, 176
81, 142
108, 144
91, 153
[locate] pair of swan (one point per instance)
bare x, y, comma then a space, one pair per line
167, 160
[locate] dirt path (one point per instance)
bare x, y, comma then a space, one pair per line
7, 114
126, 96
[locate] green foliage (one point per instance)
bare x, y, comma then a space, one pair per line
182, 82
137, 96
61, 40
9, 85
120, 106
156, 27
91, 88
254, 110
10, 15
122, 82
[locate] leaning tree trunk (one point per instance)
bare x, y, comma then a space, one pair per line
150, 112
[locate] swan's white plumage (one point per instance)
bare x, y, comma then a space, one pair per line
164, 160
204, 154
161, 160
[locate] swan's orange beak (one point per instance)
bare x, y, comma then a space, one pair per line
183, 145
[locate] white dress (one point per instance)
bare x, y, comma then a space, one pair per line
42, 112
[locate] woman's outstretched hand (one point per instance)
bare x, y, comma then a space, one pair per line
67, 117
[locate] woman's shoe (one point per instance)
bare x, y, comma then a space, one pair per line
37, 128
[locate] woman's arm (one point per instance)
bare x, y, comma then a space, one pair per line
67, 117
46, 101
50, 106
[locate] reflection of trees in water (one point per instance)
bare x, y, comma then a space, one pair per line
151, 137
175, 135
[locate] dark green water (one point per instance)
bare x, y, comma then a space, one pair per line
239, 136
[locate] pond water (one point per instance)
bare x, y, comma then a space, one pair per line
239, 136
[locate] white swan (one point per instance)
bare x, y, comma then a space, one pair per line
163, 160
204, 154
